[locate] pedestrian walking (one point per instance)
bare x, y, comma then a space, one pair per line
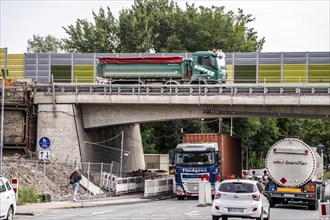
75, 177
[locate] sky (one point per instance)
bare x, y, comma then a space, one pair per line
287, 25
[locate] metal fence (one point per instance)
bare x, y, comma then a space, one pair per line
52, 177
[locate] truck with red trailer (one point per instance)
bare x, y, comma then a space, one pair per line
205, 67
209, 155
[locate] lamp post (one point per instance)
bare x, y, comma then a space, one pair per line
202, 120
2, 107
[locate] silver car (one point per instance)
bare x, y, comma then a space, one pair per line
240, 199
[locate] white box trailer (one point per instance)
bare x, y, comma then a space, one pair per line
296, 173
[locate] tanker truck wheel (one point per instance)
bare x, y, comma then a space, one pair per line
272, 202
313, 205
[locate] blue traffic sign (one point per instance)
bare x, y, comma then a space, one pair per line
44, 143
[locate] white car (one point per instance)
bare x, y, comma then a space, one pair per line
241, 199
7, 200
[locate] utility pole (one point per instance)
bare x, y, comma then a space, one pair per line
121, 153
3, 107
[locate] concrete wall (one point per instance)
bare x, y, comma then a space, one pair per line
61, 129
14, 130
72, 142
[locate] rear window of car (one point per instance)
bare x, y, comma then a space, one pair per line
2, 186
8, 185
237, 187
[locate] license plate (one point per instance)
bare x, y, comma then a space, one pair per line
235, 210
289, 195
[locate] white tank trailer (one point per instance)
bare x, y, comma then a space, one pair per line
295, 173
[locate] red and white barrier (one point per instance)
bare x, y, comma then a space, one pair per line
324, 208
14, 184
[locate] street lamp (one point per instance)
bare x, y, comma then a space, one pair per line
2, 107
202, 120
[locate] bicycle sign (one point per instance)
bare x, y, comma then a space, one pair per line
44, 143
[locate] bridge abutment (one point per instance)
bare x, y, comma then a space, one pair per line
70, 141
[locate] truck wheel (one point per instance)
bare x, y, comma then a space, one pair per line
272, 203
180, 197
215, 217
313, 205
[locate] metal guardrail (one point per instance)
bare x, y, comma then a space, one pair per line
182, 90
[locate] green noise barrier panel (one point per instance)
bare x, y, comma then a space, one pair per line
245, 73
83, 73
61, 73
269, 73
294, 73
319, 73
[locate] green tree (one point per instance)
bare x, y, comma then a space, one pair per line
88, 37
134, 32
47, 44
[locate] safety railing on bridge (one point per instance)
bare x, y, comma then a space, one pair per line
182, 90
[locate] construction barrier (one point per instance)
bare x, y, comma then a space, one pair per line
14, 184
204, 192
129, 184
160, 186
324, 210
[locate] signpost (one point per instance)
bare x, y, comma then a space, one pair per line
44, 143
44, 155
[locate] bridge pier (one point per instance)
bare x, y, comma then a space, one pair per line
70, 141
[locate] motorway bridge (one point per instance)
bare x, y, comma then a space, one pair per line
77, 115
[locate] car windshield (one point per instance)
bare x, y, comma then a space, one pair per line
195, 158
237, 188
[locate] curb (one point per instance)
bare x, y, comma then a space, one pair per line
83, 204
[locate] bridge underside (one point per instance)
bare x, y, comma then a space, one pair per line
108, 115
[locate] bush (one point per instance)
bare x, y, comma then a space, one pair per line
27, 195
326, 175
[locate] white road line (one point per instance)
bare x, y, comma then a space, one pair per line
143, 213
192, 213
169, 208
97, 213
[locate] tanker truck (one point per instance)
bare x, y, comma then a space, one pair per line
296, 173
205, 67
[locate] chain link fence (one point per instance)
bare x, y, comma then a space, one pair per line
52, 177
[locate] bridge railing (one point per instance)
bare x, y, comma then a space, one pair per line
182, 90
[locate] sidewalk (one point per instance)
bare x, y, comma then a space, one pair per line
39, 208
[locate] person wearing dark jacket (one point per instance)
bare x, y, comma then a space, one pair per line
75, 177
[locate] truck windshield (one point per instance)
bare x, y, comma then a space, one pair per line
194, 158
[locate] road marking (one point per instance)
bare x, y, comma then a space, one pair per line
97, 213
169, 208
143, 213
192, 213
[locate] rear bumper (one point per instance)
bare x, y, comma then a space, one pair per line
291, 196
